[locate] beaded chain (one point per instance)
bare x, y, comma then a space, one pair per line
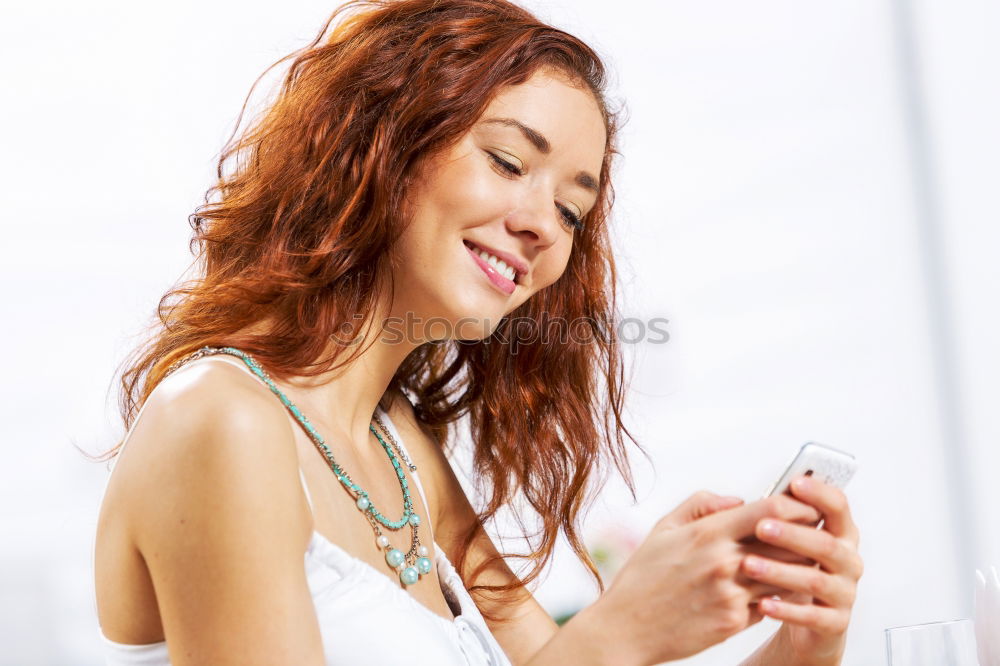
415, 562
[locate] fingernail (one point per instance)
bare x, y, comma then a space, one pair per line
770, 528
802, 483
755, 565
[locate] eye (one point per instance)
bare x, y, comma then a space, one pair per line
504, 165
570, 218
510, 171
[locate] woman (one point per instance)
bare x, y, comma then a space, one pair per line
415, 231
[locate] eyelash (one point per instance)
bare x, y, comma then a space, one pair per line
572, 220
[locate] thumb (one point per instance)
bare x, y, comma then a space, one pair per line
714, 503
699, 505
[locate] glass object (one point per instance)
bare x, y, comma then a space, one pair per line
932, 644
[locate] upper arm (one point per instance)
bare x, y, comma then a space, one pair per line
220, 523
529, 625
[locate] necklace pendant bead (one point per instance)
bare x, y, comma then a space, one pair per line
414, 519
422, 551
409, 576
394, 558
383, 541
423, 565
363, 503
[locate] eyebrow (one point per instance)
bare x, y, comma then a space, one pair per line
583, 179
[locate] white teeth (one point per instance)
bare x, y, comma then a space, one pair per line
501, 267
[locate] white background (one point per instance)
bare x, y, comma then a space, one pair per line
807, 194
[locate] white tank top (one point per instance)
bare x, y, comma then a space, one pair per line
364, 617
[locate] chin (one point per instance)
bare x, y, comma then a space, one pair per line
473, 330
469, 325
465, 313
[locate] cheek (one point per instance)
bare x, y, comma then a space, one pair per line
553, 268
463, 187
559, 261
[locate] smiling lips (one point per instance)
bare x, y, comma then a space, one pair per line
496, 278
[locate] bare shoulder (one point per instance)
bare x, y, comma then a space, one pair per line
215, 507
205, 429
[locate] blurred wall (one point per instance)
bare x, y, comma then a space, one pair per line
807, 194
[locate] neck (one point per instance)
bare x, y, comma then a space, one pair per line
343, 400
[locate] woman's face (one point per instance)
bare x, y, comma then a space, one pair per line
551, 136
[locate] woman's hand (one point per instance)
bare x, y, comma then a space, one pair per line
814, 620
682, 590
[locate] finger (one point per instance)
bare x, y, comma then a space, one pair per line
742, 521
698, 505
831, 589
756, 589
797, 598
829, 621
755, 546
831, 502
833, 554
717, 503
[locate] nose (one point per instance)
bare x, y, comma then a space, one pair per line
536, 219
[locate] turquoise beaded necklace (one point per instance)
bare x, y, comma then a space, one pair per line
410, 565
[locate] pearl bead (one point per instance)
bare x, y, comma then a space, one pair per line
394, 557
422, 551
423, 565
363, 502
414, 519
383, 541
409, 576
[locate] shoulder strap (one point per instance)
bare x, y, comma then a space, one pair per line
305, 489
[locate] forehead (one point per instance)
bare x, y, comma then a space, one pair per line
567, 115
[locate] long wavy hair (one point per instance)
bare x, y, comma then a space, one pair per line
298, 227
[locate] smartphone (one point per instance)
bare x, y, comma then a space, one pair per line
826, 463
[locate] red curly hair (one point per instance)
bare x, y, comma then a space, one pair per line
297, 231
